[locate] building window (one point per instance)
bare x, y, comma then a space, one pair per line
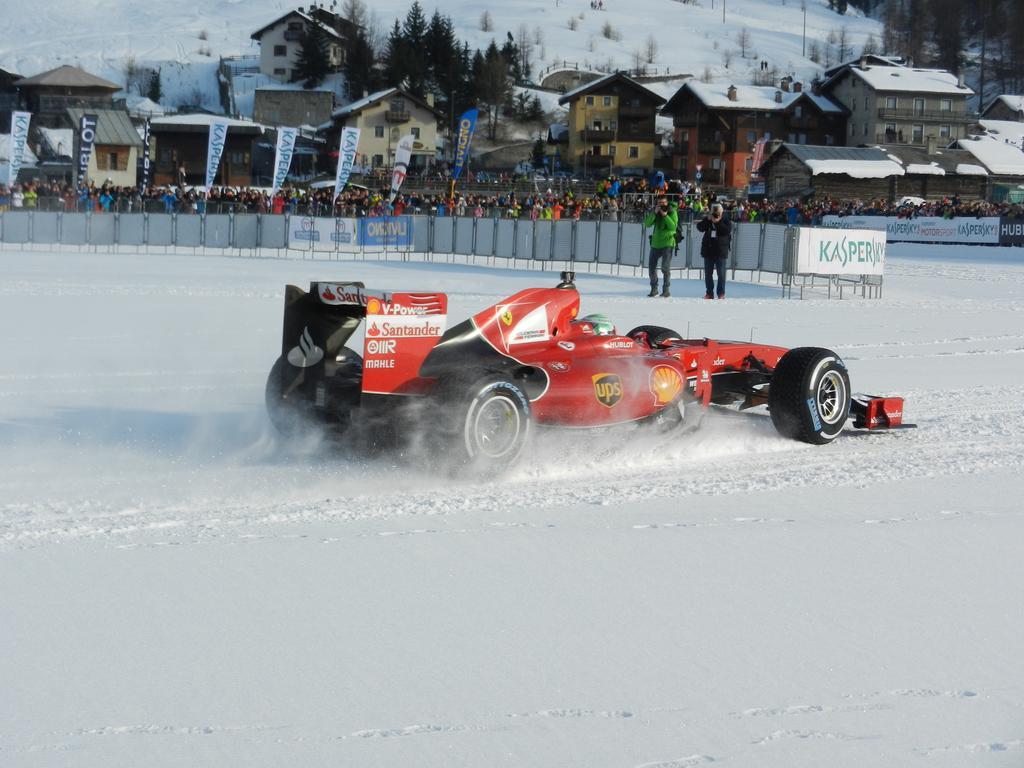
767, 136
634, 151
944, 131
378, 160
280, 50
684, 135
751, 137
798, 110
716, 163
611, 150
415, 132
295, 26
607, 101
590, 101
865, 129
890, 102
238, 158
749, 164
830, 140
803, 138
917, 134
890, 130
378, 131
596, 150
280, 72
918, 106
613, 125
853, 129
946, 105
791, 138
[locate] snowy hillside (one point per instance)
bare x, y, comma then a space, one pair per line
186, 38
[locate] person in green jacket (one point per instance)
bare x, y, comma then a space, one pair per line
664, 218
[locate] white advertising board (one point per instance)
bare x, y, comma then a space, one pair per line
822, 251
308, 233
924, 229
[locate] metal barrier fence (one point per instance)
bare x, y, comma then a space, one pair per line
756, 248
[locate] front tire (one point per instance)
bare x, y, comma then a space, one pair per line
809, 398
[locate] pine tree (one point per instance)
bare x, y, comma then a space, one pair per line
394, 58
538, 152
359, 70
311, 64
414, 31
155, 89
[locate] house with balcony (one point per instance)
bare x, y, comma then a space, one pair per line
900, 105
281, 40
181, 141
383, 118
716, 128
50, 94
612, 125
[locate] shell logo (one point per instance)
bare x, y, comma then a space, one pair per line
373, 307
666, 384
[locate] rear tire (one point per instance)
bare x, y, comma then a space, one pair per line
487, 424
809, 397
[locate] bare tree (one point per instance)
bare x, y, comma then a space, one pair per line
486, 22
651, 49
870, 45
354, 11
845, 50
727, 58
610, 32
706, 75
638, 60
524, 49
538, 35
743, 41
574, 23
814, 52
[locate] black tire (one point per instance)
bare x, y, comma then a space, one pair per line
809, 397
656, 335
293, 412
486, 424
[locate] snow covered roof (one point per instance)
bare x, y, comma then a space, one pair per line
1005, 130
368, 101
203, 121
67, 76
996, 155
928, 169
1013, 103
857, 162
969, 169
305, 17
600, 82
905, 79
143, 106
760, 98
59, 141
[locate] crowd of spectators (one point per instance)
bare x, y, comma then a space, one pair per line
612, 199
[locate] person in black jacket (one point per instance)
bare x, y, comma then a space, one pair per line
714, 248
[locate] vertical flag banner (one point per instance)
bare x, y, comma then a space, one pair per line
758, 158
346, 157
283, 156
86, 138
19, 140
402, 157
144, 163
215, 148
467, 124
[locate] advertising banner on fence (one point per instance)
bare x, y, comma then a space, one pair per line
19, 140
924, 229
1011, 231
346, 157
389, 231
283, 156
840, 251
214, 149
86, 137
307, 233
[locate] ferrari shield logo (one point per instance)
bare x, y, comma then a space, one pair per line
506, 317
607, 389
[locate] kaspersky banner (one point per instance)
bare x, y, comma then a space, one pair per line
402, 157
19, 140
86, 138
215, 148
283, 156
464, 136
346, 157
823, 251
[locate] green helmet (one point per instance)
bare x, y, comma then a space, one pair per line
601, 324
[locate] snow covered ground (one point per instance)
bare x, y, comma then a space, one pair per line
181, 588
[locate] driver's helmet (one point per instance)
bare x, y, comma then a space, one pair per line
601, 324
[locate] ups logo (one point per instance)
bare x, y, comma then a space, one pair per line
607, 388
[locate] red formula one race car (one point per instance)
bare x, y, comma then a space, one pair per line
475, 391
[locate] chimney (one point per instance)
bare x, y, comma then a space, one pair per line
784, 84
731, 93
798, 87
778, 97
960, 80
430, 100
931, 143
816, 87
863, 62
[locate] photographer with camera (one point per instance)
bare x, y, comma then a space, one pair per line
664, 218
714, 248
